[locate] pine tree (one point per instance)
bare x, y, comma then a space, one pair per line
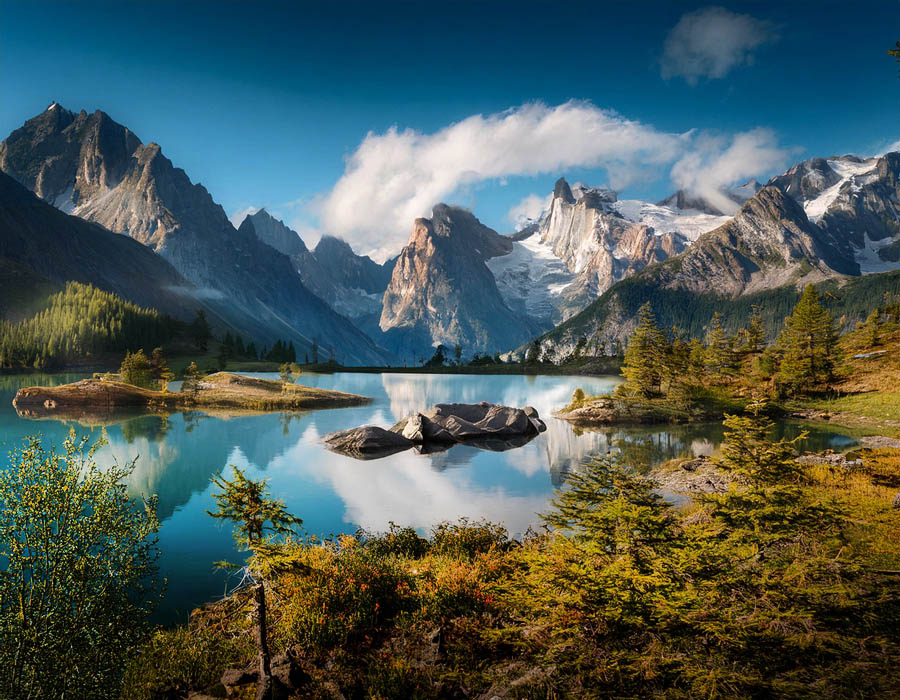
200, 331
258, 518
136, 370
720, 358
807, 346
644, 357
756, 332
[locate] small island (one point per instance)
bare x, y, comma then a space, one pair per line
222, 390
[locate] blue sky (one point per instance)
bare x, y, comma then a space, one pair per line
264, 102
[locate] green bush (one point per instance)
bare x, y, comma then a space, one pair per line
465, 539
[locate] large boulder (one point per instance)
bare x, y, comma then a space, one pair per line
455, 422
367, 442
482, 424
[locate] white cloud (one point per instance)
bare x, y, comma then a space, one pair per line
237, 218
529, 209
715, 163
709, 42
394, 177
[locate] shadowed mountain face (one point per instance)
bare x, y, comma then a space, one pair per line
94, 168
442, 292
352, 284
41, 248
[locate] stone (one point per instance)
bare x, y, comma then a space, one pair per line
367, 442
485, 425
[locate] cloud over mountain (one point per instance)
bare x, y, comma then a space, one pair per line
709, 42
396, 176
714, 163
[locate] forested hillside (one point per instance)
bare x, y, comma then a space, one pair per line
848, 299
82, 322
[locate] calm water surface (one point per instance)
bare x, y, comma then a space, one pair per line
178, 455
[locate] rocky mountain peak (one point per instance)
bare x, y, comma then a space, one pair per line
441, 291
807, 179
275, 233
561, 190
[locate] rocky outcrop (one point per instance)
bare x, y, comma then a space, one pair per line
483, 424
367, 442
442, 292
691, 476
597, 243
98, 170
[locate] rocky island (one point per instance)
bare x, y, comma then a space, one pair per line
222, 390
484, 424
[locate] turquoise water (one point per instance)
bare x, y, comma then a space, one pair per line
177, 456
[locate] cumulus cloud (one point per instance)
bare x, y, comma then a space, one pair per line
709, 42
529, 209
394, 177
714, 164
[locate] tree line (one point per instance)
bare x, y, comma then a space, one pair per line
665, 363
81, 322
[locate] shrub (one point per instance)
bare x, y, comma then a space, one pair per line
465, 539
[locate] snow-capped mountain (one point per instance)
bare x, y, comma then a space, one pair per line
586, 241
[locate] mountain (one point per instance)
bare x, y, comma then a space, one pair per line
98, 170
856, 203
442, 292
41, 248
352, 284
770, 244
586, 241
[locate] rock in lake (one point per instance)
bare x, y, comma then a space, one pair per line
499, 427
367, 442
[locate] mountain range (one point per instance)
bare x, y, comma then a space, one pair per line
91, 167
108, 209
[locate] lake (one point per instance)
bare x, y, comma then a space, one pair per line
177, 456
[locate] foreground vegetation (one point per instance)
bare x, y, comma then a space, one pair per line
786, 585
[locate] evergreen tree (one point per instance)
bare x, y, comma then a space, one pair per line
257, 518
192, 377
159, 369
534, 352
807, 346
438, 359
720, 359
756, 333
644, 358
457, 354
315, 351
200, 331
136, 370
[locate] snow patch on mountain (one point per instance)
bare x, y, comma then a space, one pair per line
848, 169
690, 223
531, 278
